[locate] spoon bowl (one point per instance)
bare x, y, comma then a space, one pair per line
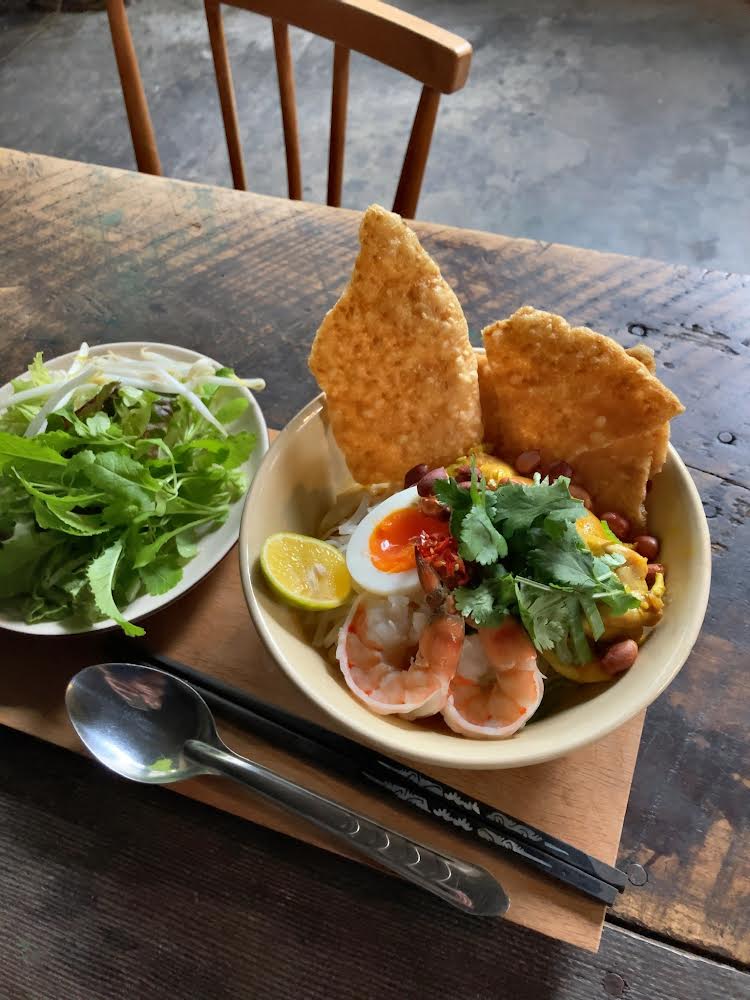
137, 721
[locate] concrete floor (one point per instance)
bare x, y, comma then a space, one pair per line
615, 124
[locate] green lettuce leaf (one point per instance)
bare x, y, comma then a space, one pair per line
14, 450
109, 501
232, 410
20, 560
161, 575
100, 575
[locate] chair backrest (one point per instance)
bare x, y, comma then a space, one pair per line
438, 59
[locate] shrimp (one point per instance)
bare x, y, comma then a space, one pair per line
399, 658
498, 686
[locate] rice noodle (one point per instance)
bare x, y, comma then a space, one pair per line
339, 537
326, 625
351, 507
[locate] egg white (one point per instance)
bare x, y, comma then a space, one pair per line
368, 577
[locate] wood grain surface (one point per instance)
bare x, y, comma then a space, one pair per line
210, 628
116, 890
90, 252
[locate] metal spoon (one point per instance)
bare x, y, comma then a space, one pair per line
149, 726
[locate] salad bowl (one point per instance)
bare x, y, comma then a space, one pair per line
211, 547
298, 482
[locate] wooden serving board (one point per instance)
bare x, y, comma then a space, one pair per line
581, 798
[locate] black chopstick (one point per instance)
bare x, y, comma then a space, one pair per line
464, 814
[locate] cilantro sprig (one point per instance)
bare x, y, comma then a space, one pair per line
471, 520
488, 602
567, 562
527, 558
553, 619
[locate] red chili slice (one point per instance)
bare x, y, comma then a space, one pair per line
441, 552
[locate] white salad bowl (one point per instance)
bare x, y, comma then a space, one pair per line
295, 486
212, 547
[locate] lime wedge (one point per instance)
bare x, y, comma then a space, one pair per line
305, 571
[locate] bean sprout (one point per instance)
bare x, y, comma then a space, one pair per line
152, 371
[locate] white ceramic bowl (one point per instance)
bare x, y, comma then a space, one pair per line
295, 485
211, 548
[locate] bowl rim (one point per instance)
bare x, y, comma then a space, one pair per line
59, 628
481, 760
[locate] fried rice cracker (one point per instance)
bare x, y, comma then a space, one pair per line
566, 390
492, 417
643, 354
660, 437
394, 359
616, 478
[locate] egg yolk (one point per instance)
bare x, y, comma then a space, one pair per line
392, 541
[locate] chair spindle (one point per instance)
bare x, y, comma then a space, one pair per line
225, 86
339, 98
136, 105
415, 159
285, 72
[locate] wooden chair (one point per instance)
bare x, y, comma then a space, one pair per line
437, 58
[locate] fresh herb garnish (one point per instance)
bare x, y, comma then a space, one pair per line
109, 500
548, 575
553, 620
456, 498
488, 602
481, 542
517, 507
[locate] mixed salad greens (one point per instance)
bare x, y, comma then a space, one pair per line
524, 555
110, 472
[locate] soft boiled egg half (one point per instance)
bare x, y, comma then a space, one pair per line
380, 555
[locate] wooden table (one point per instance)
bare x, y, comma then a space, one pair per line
108, 888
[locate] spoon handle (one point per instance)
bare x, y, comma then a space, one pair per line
460, 883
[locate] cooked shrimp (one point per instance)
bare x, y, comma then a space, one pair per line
498, 686
396, 656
